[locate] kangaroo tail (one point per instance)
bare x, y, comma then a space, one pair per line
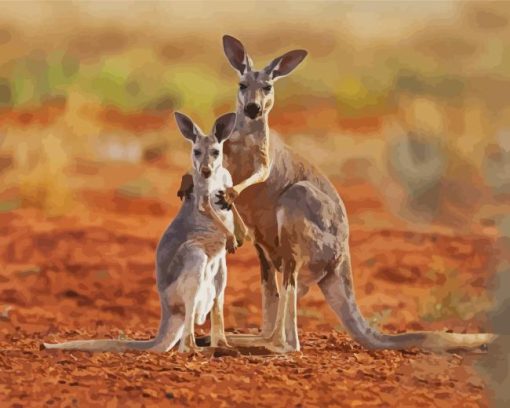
169, 333
338, 290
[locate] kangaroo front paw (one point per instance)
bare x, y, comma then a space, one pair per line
241, 237
226, 198
231, 245
186, 187
230, 195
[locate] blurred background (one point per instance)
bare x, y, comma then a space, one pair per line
412, 97
404, 105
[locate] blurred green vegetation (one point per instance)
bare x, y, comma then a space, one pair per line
391, 87
155, 71
450, 300
137, 80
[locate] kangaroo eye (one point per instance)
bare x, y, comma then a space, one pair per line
267, 88
197, 153
242, 86
215, 153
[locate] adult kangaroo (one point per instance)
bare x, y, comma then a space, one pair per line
298, 222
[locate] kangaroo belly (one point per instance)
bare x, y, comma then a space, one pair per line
207, 289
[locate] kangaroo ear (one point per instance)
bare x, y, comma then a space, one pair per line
188, 129
224, 126
236, 54
286, 63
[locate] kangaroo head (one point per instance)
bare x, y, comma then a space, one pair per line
256, 95
207, 150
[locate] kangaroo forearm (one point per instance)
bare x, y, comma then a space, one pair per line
208, 208
186, 186
240, 228
262, 168
259, 176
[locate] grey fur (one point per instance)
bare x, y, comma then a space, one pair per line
190, 254
300, 227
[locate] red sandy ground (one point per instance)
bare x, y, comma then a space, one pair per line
90, 274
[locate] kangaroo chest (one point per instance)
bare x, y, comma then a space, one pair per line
256, 204
204, 221
240, 156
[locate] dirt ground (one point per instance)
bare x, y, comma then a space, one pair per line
90, 274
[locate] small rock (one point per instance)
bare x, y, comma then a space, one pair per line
4, 314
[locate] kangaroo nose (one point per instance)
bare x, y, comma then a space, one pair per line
206, 172
252, 110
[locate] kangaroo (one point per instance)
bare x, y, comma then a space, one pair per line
298, 222
191, 269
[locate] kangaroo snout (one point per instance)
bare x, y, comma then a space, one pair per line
206, 172
252, 110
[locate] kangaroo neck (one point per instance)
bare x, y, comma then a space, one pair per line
255, 127
201, 185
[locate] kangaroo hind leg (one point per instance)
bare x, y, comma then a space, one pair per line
218, 337
194, 266
270, 299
